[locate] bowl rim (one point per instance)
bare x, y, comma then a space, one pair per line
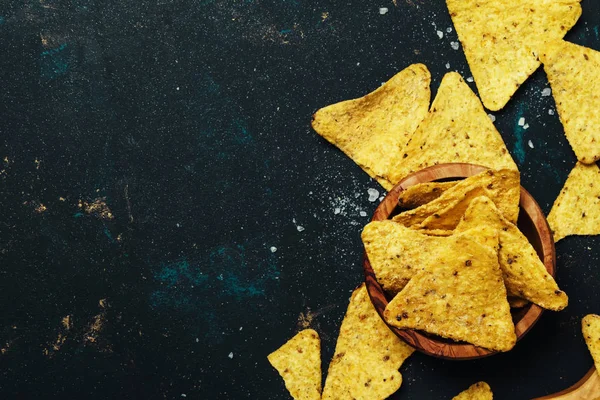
444, 348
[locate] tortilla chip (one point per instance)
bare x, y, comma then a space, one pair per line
576, 211
502, 38
516, 302
573, 72
459, 295
478, 391
367, 355
524, 274
446, 211
422, 193
590, 326
457, 129
434, 232
299, 364
373, 129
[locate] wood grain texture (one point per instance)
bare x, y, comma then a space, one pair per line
588, 388
531, 222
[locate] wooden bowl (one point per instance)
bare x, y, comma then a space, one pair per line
531, 222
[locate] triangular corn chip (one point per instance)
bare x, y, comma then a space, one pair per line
446, 211
516, 302
373, 129
590, 326
478, 391
524, 274
457, 129
422, 193
576, 210
460, 295
574, 75
299, 364
367, 355
502, 38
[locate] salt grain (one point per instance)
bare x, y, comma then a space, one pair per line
337, 211
373, 194
447, 65
448, 30
526, 126
470, 79
546, 92
550, 111
273, 249
363, 214
454, 45
300, 228
383, 10
492, 117
440, 34
530, 144
521, 121
230, 355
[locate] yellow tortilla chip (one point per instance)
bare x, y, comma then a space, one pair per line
434, 232
446, 211
460, 295
457, 129
478, 391
373, 129
576, 211
524, 274
573, 72
502, 38
422, 193
299, 364
590, 326
367, 355
516, 302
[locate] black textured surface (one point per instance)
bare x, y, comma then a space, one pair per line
152, 153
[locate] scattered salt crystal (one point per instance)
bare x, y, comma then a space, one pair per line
300, 228
183, 395
530, 144
230, 355
521, 121
273, 249
447, 65
363, 214
546, 92
492, 117
440, 34
357, 64
337, 211
454, 45
380, 198
373, 194
448, 30
550, 111
241, 328
470, 79
383, 10
197, 340
526, 126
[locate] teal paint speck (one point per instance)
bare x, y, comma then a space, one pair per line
596, 32
54, 62
2, 20
519, 146
78, 215
285, 31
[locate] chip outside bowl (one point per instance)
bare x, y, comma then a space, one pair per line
532, 223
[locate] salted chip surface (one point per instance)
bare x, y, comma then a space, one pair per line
502, 39
502, 186
460, 295
456, 129
367, 355
422, 193
299, 363
372, 130
590, 326
574, 75
524, 274
478, 391
576, 210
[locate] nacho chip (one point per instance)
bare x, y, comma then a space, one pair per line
299, 364
574, 72
460, 295
446, 211
590, 326
457, 129
478, 391
373, 129
524, 274
502, 38
422, 193
367, 355
434, 232
516, 302
576, 211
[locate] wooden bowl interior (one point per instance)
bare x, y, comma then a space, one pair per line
531, 222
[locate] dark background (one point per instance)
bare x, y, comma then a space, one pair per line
152, 153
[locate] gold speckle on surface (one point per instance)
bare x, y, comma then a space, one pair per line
97, 207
